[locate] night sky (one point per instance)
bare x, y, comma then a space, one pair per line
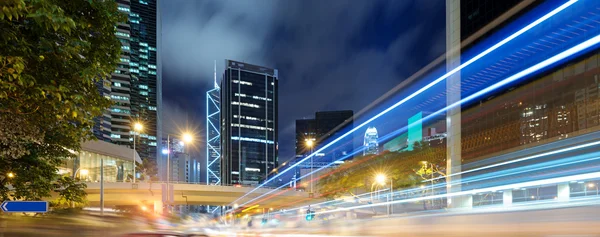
331, 55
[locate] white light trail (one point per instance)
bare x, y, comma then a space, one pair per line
421, 90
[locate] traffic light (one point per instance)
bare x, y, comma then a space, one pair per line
310, 215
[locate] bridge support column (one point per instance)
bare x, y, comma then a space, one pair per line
453, 115
158, 207
507, 198
563, 192
461, 202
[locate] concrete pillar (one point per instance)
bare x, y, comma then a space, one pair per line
563, 191
507, 198
453, 116
158, 207
461, 202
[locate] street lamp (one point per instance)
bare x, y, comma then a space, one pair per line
10, 175
137, 127
380, 179
82, 172
310, 144
187, 138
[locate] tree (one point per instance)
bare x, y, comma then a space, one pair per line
71, 192
148, 169
53, 56
403, 167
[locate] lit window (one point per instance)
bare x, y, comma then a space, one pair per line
134, 14
143, 44
143, 2
243, 82
151, 143
249, 139
122, 111
134, 70
125, 9
118, 33
126, 60
251, 126
142, 68
133, 64
115, 136
152, 108
143, 93
245, 104
152, 48
152, 72
144, 56
135, 21
240, 95
118, 84
124, 47
152, 137
144, 87
261, 98
151, 66
118, 97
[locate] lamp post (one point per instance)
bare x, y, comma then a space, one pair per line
137, 127
380, 179
310, 144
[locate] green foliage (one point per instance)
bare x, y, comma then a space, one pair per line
405, 168
71, 190
148, 170
53, 54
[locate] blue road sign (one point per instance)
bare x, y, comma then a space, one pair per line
24, 206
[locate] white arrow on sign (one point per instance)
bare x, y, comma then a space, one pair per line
4, 206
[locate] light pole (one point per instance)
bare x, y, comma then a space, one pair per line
310, 144
187, 138
137, 127
380, 179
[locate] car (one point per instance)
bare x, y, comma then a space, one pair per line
164, 234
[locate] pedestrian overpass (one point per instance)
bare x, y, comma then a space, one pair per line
190, 194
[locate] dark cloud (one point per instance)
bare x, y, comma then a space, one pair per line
330, 54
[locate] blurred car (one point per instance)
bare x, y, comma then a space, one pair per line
164, 234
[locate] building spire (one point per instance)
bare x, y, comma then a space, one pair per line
215, 75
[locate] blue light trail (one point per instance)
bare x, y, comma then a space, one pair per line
426, 87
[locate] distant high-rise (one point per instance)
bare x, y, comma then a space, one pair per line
248, 123
182, 167
133, 86
326, 124
370, 142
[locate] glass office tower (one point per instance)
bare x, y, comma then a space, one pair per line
248, 123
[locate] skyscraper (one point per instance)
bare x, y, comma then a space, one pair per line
213, 133
322, 127
370, 142
248, 123
134, 85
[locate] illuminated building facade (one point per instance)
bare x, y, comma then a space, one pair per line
552, 106
370, 142
213, 134
133, 87
248, 123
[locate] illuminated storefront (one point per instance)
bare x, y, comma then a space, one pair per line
117, 161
